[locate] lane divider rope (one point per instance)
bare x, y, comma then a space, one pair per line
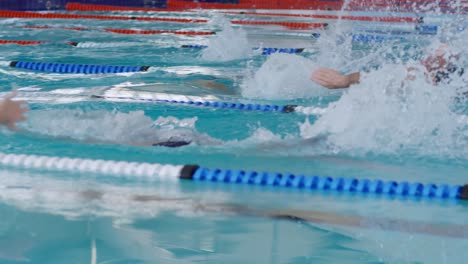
49, 27
35, 15
72, 6
140, 31
40, 192
288, 25
152, 32
351, 185
362, 38
391, 19
265, 51
164, 172
186, 100
147, 171
130, 31
394, 35
32, 42
94, 7
76, 68
21, 42
227, 105
426, 29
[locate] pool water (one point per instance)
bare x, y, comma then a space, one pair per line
385, 128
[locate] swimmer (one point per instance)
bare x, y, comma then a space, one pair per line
11, 111
439, 67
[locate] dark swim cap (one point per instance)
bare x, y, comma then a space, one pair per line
446, 74
172, 144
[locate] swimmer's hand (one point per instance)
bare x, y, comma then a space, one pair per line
11, 111
334, 80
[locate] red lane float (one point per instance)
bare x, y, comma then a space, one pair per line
132, 31
290, 25
21, 42
251, 4
356, 18
20, 14
413, 6
108, 8
149, 32
173, 5
49, 27
91, 7
31, 42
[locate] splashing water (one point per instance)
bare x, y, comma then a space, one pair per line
387, 114
133, 128
283, 76
229, 44
384, 114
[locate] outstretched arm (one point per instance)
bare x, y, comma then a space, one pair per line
333, 79
11, 111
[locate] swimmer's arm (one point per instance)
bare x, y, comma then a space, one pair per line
11, 111
334, 80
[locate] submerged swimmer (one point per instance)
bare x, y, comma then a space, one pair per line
440, 67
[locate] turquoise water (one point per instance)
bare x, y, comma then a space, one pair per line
379, 129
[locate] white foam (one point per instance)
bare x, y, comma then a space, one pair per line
228, 44
187, 70
309, 110
386, 114
51, 99
8, 21
29, 89
118, 93
283, 76
90, 44
133, 128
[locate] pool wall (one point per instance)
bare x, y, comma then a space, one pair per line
355, 5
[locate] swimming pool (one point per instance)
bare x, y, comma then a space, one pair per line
377, 130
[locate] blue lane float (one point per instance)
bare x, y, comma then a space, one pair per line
154, 172
342, 185
75, 68
265, 51
225, 105
174, 173
426, 29
393, 35
268, 51
364, 38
